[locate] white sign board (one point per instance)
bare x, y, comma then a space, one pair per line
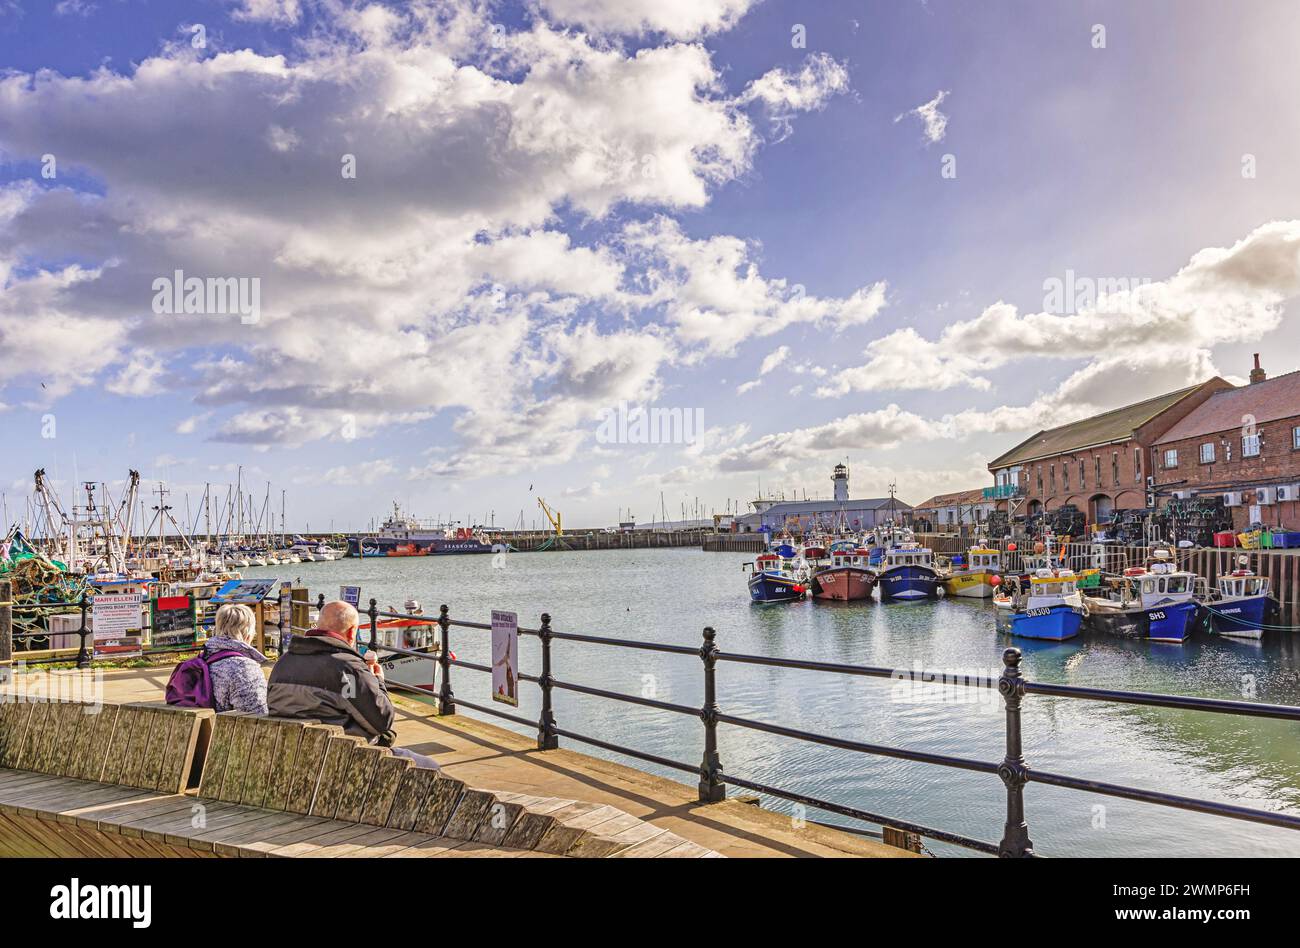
505, 657
117, 625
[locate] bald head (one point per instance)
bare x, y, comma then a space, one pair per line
338, 617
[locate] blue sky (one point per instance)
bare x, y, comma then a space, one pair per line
448, 328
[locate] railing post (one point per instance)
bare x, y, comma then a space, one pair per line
320, 603
1012, 770
712, 789
6, 622
547, 739
83, 658
373, 612
446, 700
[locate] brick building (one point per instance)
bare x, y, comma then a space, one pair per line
1242, 443
1099, 464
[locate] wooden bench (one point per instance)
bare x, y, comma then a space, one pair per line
151, 780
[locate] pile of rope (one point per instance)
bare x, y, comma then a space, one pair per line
38, 581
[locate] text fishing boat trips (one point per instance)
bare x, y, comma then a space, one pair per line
847, 577
413, 634
1050, 608
1156, 603
908, 574
1240, 605
407, 536
776, 578
971, 576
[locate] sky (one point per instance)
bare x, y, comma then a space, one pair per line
485, 248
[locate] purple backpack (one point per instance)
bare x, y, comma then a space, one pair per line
190, 685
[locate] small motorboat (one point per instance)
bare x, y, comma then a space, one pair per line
1051, 608
774, 578
414, 633
1240, 605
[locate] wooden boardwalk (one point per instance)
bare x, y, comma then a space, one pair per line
490, 758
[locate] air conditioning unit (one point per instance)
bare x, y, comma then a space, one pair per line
1265, 495
1232, 498
1287, 493
1181, 494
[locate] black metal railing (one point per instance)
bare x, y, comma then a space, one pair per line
1013, 770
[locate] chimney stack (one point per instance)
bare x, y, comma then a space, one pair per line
1257, 374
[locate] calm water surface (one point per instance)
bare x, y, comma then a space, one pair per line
670, 595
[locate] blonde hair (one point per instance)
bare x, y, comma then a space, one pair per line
236, 622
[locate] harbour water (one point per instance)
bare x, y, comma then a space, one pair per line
669, 595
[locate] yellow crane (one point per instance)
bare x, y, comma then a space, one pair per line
552, 515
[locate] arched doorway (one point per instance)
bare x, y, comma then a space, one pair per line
1102, 508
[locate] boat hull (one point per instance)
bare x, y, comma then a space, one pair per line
908, 584
976, 585
1171, 622
773, 587
1053, 623
433, 546
843, 583
1239, 618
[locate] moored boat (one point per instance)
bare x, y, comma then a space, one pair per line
971, 576
775, 579
908, 574
847, 578
1239, 606
1155, 603
1050, 609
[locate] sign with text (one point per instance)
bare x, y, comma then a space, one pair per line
173, 622
505, 657
249, 592
286, 616
118, 625
351, 595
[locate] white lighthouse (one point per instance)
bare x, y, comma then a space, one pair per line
841, 481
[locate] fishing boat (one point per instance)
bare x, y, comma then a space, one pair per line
1156, 603
1240, 605
848, 577
971, 576
773, 578
909, 574
1051, 608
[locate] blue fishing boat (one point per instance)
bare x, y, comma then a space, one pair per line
1051, 608
775, 579
908, 574
1156, 603
1239, 606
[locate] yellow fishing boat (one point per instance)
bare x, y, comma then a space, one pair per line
972, 576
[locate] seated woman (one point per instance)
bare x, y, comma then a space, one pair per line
237, 680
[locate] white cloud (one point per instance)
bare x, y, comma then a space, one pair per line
683, 19
277, 12
934, 121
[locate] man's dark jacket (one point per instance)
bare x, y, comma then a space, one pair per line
321, 678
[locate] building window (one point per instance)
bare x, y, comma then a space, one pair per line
1137, 466
1207, 453
1171, 458
1114, 467
1040, 478
1295, 438
1250, 446
1096, 464
1051, 479
1082, 469
1065, 477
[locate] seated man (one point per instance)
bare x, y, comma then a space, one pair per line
322, 676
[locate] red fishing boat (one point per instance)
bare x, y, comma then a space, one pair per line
848, 576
